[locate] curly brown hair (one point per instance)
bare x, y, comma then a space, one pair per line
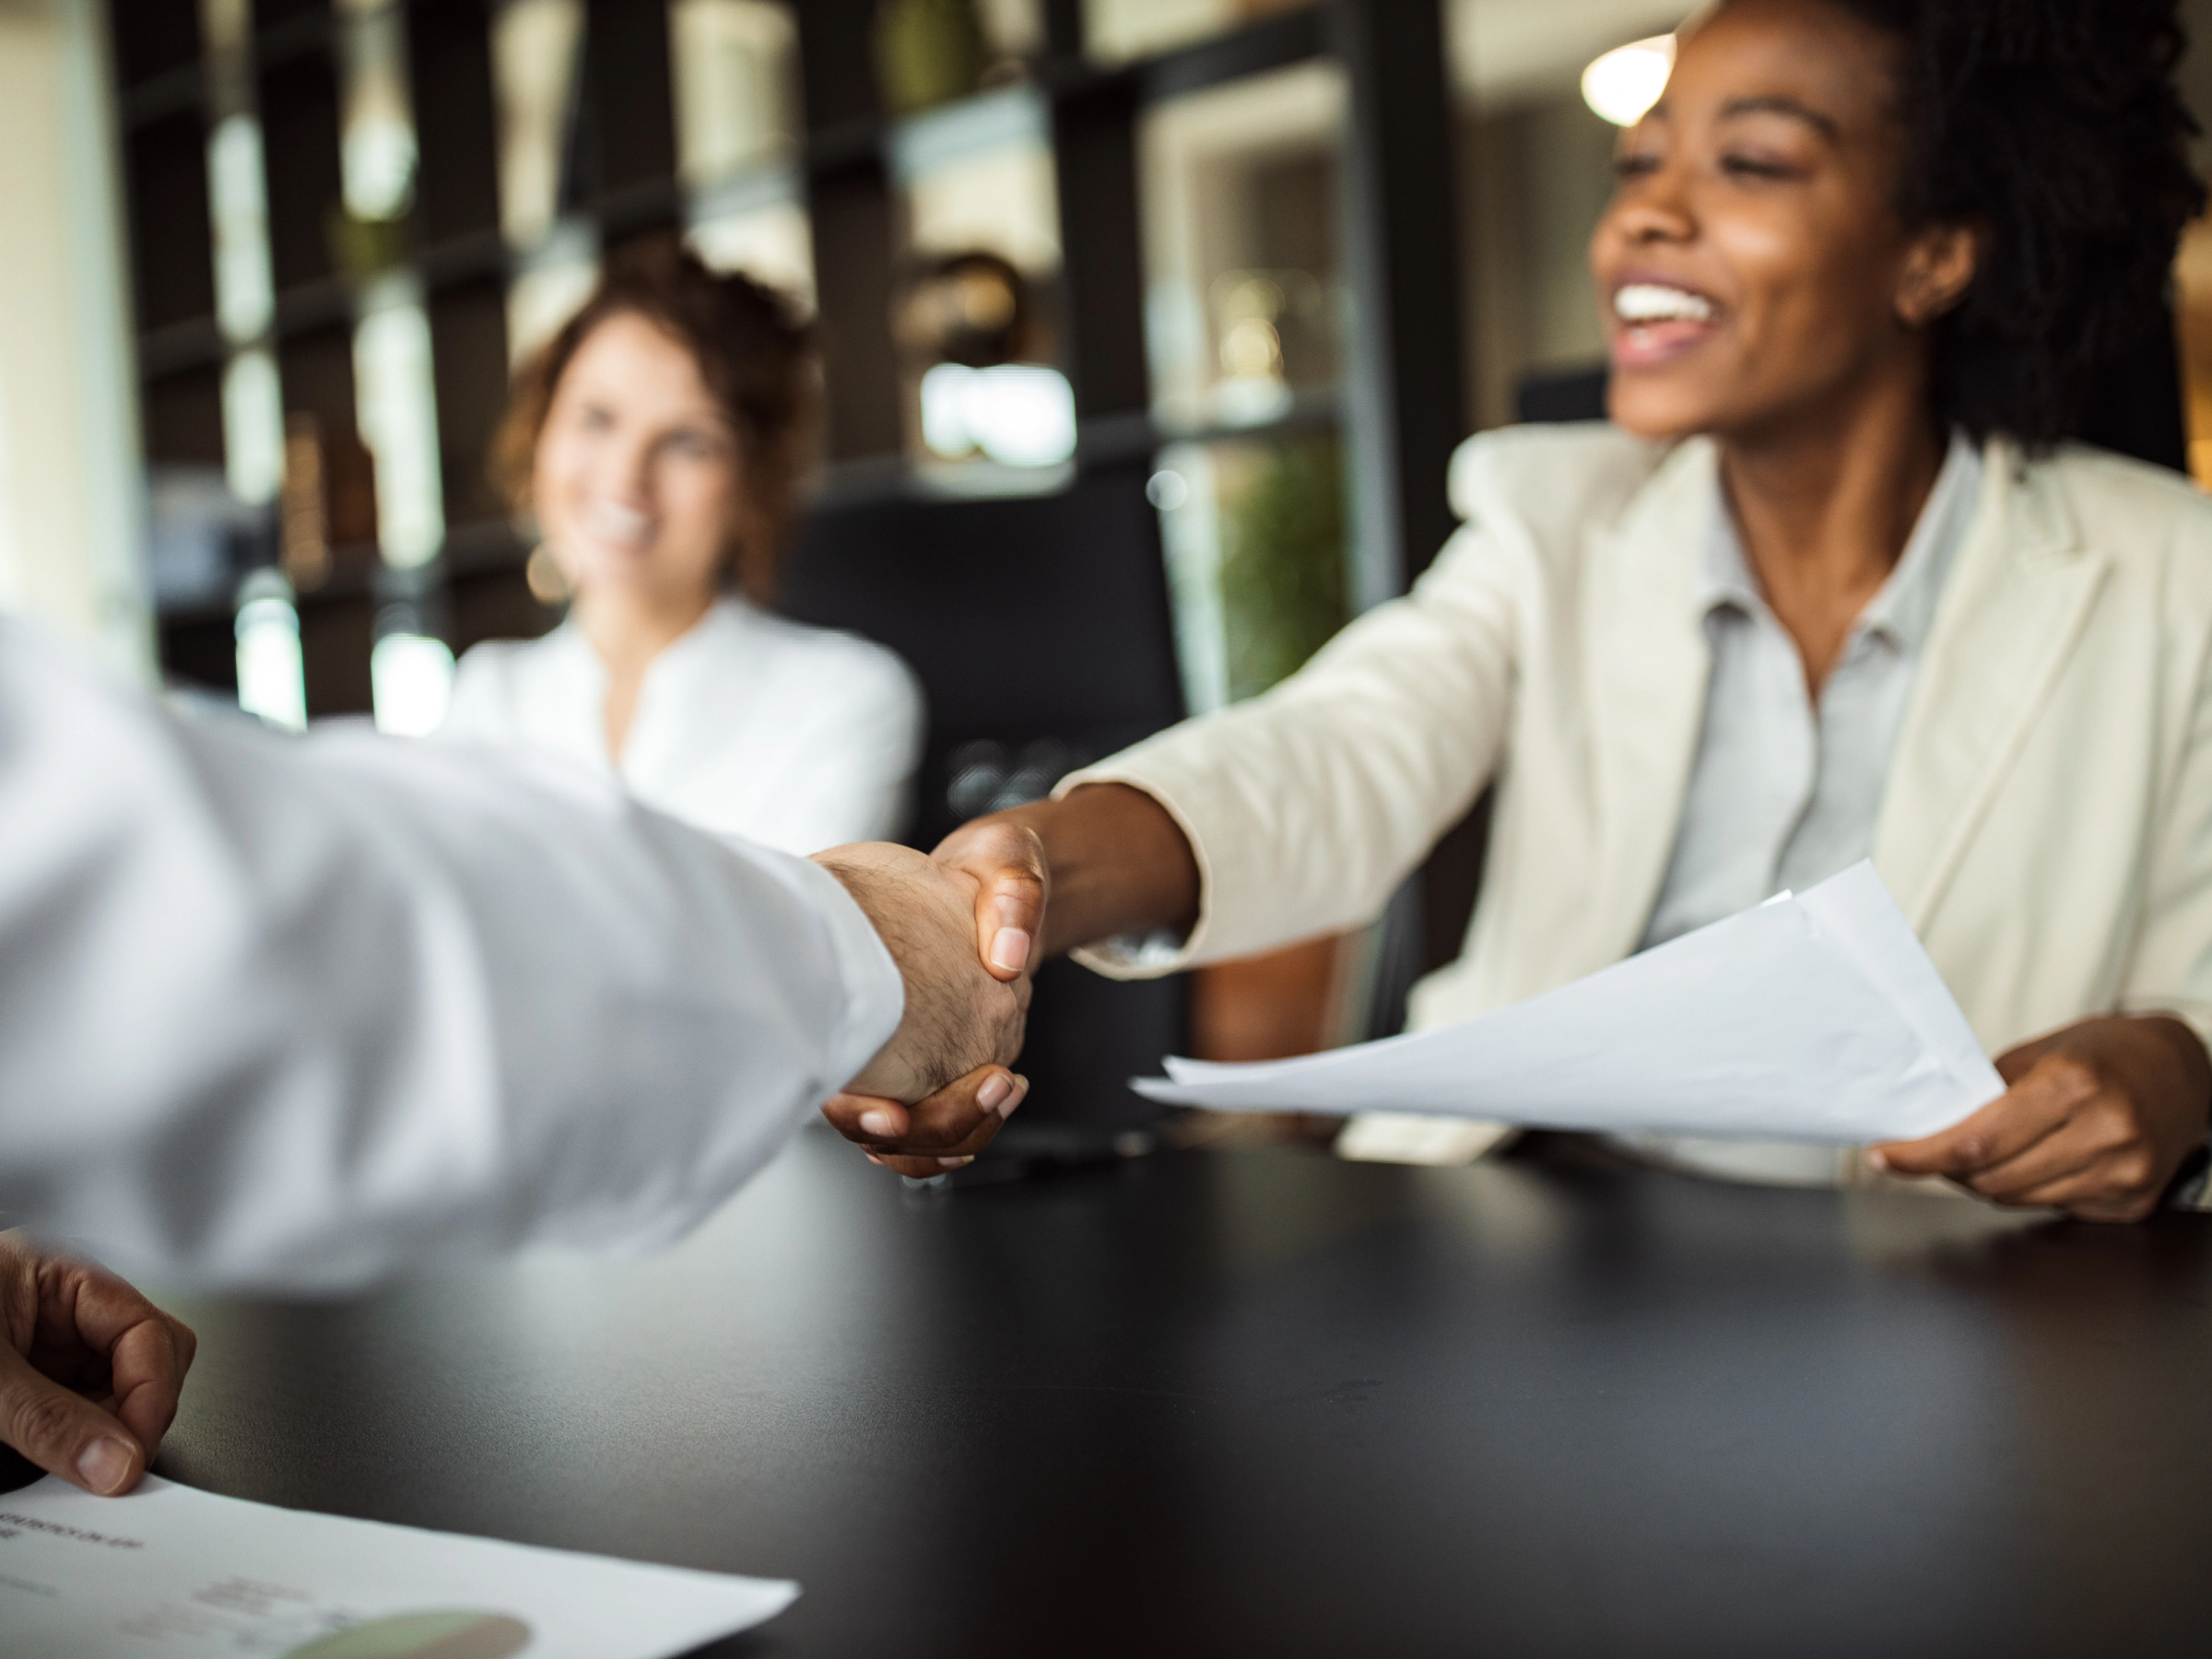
754, 353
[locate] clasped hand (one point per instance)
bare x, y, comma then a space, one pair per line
963, 925
90, 1372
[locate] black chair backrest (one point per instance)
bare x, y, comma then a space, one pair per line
1041, 630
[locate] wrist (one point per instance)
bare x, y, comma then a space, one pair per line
1117, 863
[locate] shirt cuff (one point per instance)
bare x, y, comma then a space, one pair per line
1154, 955
875, 993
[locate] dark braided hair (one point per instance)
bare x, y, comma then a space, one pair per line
2056, 126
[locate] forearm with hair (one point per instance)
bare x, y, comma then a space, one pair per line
938, 1036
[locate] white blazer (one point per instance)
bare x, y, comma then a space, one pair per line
297, 1012
2047, 826
751, 725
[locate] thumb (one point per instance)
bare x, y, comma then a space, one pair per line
1006, 861
65, 1433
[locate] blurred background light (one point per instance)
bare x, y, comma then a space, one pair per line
1627, 81
410, 679
271, 679
1018, 413
397, 411
254, 427
245, 292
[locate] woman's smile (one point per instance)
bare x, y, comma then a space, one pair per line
1655, 319
618, 528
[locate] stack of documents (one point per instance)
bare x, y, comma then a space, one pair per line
1817, 1016
186, 1574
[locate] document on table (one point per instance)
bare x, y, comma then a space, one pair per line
172, 1572
1816, 1017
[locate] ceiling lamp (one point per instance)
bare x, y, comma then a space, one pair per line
1628, 80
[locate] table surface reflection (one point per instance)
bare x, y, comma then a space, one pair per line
1258, 1402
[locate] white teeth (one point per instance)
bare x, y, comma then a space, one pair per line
1652, 302
611, 523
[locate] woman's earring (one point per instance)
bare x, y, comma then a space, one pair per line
548, 583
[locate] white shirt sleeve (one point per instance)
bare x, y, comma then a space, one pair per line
296, 1011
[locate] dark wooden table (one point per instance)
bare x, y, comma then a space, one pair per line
1260, 1403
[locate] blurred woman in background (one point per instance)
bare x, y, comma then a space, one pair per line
657, 442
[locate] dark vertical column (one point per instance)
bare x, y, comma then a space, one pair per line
849, 203
1094, 147
1064, 28
153, 37
182, 413
468, 359
1403, 358
622, 147
172, 249
457, 126
315, 369
162, 104
299, 107
457, 202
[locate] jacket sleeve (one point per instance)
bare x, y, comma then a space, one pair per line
297, 1012
1306, 808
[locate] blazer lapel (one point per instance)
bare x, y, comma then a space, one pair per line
2014, 609
1649, 665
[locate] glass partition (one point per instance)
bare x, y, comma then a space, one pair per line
1244, 289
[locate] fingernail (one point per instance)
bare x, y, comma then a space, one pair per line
954, 1163
1021, 1093
105, 1464
1875, 1160
874, 1159
875, 1121
1009, 949
996, 1088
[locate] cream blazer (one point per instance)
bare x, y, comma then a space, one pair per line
2047, 827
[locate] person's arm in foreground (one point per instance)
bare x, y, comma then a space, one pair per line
90, 1372
287, 1013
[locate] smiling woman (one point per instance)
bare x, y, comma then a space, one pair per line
656, 440
1825, 588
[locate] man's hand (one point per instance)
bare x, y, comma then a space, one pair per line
942, 1133
90, 1371
2096, 1121
959, 1016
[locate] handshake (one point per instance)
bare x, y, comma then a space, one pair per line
963, 925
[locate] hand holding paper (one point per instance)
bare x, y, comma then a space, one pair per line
89, 1369
1816, 1017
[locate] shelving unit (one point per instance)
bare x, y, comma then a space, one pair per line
1040, 622
621, 177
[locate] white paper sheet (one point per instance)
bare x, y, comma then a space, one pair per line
172, 1572
1817, 1016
